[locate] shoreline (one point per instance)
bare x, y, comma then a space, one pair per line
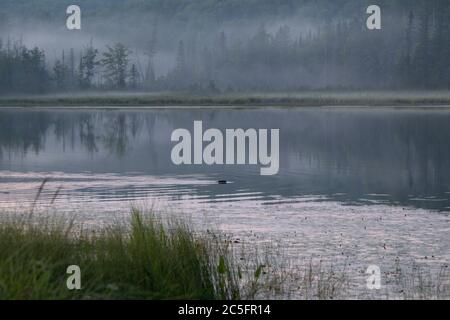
425, 100
195, 265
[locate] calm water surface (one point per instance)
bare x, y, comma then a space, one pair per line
355, 186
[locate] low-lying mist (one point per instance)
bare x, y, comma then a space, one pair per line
225, 46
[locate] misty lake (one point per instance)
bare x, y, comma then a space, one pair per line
355, 186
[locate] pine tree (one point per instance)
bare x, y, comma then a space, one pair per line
438, 57
88, 65
115, 62
149, 76
60, 73
134, 77
405, 68
423, 57
181, 59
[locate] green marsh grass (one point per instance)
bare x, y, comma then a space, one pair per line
148, 259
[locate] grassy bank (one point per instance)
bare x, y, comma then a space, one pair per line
148, 259
300, 99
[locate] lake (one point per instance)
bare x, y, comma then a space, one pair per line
356, 186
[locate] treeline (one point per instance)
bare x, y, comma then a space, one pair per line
24, 70
412, 51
